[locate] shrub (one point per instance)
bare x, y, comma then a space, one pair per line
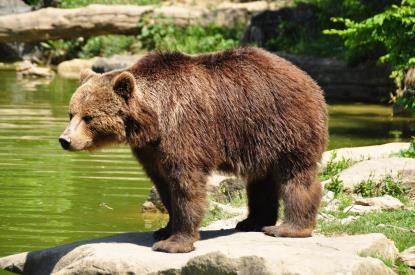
334, 166
107, 45
189, 39
367, 188
81, 3
386, 186
391, 29
335, 185
410, 152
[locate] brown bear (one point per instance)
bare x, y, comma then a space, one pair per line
243, 111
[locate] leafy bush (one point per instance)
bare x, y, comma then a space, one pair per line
335, 185
189, 39
367, 188
107, 45
386, 186
410, 152
82, 3
392, 29
334, 166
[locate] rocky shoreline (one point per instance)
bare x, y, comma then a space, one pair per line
222, 250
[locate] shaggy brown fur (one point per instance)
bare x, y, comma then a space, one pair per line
242, 111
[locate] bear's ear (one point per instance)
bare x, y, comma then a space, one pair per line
85, 75
124, 85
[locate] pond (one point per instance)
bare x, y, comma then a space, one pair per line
50, 197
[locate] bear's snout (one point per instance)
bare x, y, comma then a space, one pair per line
65, 142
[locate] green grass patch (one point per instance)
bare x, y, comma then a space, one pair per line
370, 223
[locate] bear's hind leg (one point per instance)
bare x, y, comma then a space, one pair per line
263, 195
187, 209
301, 195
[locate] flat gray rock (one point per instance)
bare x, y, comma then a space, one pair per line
219, 252
365, 152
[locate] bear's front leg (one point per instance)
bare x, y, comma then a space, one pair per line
187, 209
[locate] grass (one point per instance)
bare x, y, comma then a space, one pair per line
216, 214
369, 223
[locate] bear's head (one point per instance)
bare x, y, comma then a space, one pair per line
99, 113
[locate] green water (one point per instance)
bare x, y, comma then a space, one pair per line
49, 196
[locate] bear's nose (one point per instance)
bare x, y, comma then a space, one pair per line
65, 142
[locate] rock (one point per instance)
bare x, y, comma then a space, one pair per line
27, 69
356, 154
332, 205
153, 202
221, 187
72, 68
368, 205
402, 169
408, 256
385, 202
115, 62
219, 252
13, 7
229, 189
348, 219
148, 207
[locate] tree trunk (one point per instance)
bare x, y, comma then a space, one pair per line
53, 23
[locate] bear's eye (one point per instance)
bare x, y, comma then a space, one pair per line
70, 116
87, 118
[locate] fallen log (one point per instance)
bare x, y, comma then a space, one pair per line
53, 23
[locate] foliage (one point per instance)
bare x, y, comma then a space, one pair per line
410, 152
295, 37
392, 29
189, 39
335, 185
107, 45
82, 3
61, 49
386, 186
335, 166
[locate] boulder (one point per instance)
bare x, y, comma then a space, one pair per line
115, 62
408, 256
72, 68
219, 252
28, 69
222, 188
376, 204
12, 52
356, 154
13, 7
402, 169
